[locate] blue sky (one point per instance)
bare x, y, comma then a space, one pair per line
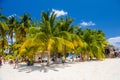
95, 14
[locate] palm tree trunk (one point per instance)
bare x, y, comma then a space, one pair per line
48, 58
12, 44
2, 47
63, 50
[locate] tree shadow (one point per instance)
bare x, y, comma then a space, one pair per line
41, 67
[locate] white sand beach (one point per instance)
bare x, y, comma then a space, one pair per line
108, 69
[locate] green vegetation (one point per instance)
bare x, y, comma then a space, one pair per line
50, 34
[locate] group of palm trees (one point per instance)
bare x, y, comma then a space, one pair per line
51, 34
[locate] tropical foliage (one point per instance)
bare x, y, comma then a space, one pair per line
51, 34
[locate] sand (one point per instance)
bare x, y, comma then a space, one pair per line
108, 69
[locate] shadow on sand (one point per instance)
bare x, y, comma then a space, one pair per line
41, 67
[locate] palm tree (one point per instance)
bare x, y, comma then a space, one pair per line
47, 35
94, 43
101, 42
22, 27
12, 23
30, 45
68, 32
4, 28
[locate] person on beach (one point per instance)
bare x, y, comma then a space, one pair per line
3, 59
72, 56
39, 60
0, 61
63, 59
16, 62
77, 58
27, 60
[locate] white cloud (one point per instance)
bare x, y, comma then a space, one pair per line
114, 41
87, 24
59, 12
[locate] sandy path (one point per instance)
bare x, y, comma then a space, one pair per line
108, 69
